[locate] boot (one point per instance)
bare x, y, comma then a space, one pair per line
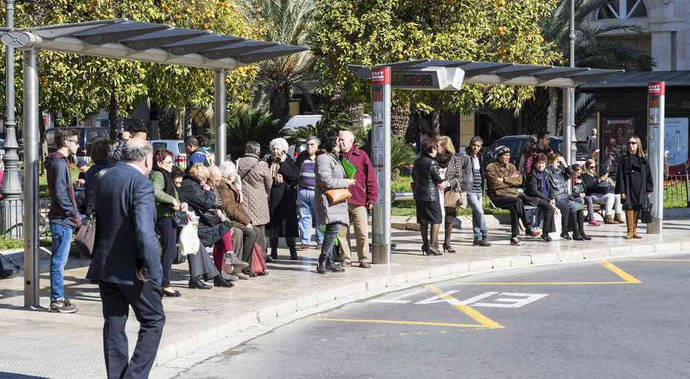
634, 226
630, 221
293, 254
610, 220
619, 218
581, 225
321, 267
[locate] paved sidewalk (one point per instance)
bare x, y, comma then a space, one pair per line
203, 323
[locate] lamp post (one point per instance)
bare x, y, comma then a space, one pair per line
11, 187
569, 97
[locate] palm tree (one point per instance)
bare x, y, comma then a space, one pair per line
290, 22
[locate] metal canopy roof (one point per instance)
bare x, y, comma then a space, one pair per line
149, 42
500, 73
640, 79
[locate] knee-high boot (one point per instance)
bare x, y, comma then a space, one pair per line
630, 221
634, 225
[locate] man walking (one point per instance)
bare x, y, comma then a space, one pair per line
364, 195
126, 261
196, 153
306, 162
63, 215
473, 185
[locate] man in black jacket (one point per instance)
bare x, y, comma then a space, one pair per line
126, 261
538, 193
63, 215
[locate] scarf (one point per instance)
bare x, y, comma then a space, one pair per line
169, 187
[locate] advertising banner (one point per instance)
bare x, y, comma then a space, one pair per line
676, 144
615, 133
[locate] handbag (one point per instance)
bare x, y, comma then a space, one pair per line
646, 212
338, 195
86, 236
452, 199
180, 218
258, 265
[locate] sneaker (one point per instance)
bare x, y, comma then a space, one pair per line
594, 222
364, 265
534, 232
483, 243
515, 241
63, 306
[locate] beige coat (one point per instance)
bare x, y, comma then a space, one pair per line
256, 185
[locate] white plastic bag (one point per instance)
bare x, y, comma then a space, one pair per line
189, 237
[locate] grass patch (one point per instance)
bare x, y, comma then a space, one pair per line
11, 243
402, 184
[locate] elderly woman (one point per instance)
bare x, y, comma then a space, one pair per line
634, 183
282, 203
243, 234
452, 163
330, 175
167, 202
427, 183
256, 184
196, 192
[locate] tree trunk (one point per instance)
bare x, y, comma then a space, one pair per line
112, 115
435, 117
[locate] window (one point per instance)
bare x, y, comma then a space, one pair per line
622, 9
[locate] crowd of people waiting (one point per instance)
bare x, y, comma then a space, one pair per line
444, 180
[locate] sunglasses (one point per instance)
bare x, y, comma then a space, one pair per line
590, 167
632, 143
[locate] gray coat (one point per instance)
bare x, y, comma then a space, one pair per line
256, 185
330, 175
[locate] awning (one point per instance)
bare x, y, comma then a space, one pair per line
640, 79
149, 42
511, 74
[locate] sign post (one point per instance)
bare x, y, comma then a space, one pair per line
655, 145
381, 159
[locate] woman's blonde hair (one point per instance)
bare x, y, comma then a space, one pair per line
200, 172
640, 150
445, 140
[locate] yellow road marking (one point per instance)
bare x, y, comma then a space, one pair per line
466, 309
623, 275
399, 322
627, 279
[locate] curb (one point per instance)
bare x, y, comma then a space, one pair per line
176, 357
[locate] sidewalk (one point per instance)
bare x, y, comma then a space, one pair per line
202, 323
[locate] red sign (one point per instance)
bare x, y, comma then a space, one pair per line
381, 76
657, 88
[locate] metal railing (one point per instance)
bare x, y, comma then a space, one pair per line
677, 191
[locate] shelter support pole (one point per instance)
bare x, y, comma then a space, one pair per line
31, 199
655, 144
11, 187
219, 107
568, 121
381, 159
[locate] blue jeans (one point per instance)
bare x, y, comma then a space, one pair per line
62, 240
478, 221
307, 216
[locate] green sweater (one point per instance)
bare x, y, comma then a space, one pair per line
164, 201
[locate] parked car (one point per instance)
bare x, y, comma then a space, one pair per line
86, 136
517, 145
176, 147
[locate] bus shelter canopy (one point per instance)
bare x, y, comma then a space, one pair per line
148, 42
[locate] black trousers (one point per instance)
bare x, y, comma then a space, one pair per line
168, 236
547, 213
145, 299
517, 211
243, 239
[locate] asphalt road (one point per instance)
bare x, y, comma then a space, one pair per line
627, 319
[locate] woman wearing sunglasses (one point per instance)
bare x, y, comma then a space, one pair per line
633, 183
600, 190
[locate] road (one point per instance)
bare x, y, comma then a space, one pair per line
616, 319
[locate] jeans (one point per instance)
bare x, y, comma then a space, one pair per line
62, 239
308, 216
329, 239
481, 232
610, 200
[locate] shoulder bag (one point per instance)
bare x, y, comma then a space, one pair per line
86, 235
338, 195
646, 212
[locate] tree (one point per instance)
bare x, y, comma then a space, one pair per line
377, 31
290, 22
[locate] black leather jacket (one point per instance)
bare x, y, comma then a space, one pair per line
426, 176
558, 178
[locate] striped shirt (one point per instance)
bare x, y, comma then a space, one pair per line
476, 175
307, 178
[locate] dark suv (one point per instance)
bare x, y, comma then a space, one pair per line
517, 145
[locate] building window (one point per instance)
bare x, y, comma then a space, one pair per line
622, 9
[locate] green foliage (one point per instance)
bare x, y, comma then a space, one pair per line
250, 124
319, 129
372, 32
11, 243
402, 154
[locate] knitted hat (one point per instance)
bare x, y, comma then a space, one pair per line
81, 163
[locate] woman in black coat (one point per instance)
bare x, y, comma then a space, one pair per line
427, 181
634, 183
282, 201
200, 199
